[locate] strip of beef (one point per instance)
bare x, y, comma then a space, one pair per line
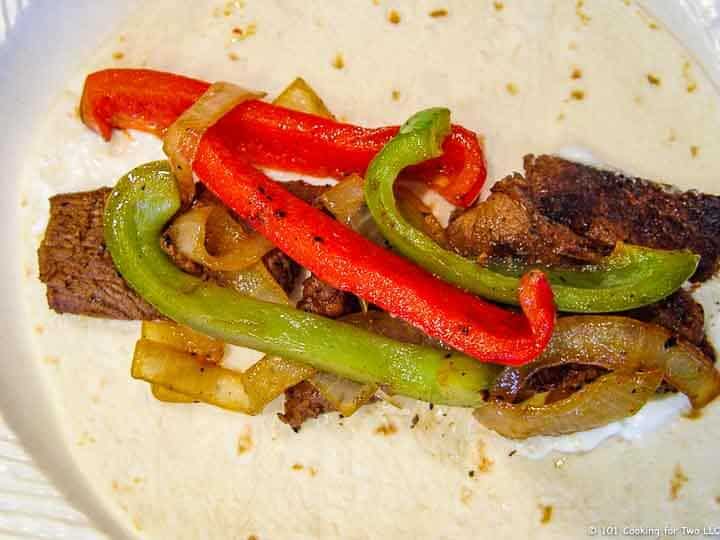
303, 402
681, 314
76, 267
606, 207
508, 225
560, 381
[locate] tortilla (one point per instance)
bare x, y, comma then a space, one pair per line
531, 76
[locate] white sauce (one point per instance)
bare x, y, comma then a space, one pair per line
656, 414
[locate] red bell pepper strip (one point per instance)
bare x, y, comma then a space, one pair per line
272, 136
346, 260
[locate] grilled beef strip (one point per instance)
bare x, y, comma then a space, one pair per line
681, 314
605, 207
507, 224
76, 267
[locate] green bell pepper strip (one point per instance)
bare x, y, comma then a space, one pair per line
630, 277
140, 206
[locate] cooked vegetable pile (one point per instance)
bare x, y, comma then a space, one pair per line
424, 322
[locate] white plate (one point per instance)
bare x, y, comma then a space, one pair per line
41, 42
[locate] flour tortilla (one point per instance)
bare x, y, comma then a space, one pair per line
506, 70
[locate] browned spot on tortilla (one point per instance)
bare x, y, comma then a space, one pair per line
51, 360
499, 6
653, 79
245, 441
253, 537
546, 513
690, 82
577, 95
23, 201
39, 329
239, 33
439, 13
466, 495
338, 62
393, 17
85, 439
395, 95
388, 428
122, 488
233, 56
677, 482
717, 499
137, 523
312, 471
485, 463
584, 17
117, 55
576, 73
694, 151
560, 117
511, 88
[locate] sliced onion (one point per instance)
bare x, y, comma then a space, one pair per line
346, 202
299, 96
269, 377
162, 393
183, 136
612, 397
256, 281
620, 343
210, 227
183, 338
419, 215
178, 374
344, 395
345, 199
